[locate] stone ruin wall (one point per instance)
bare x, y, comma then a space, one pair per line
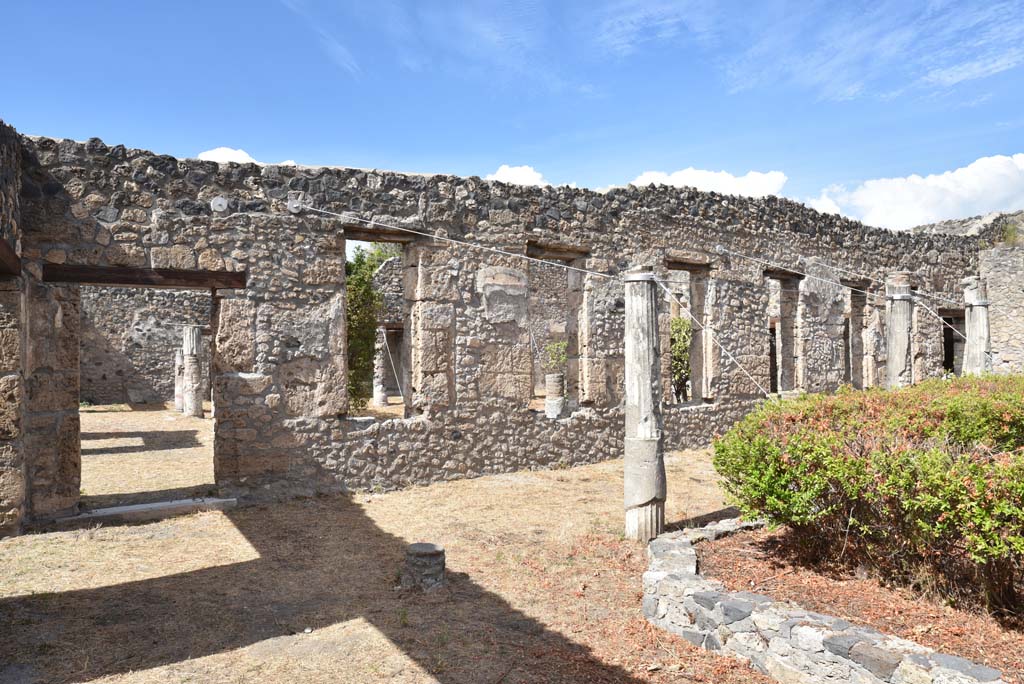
12, 485
1002, 269
129, 336
279, 360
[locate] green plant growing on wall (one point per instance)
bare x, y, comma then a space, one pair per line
681, 336
362, 314
556, 356
1012, 234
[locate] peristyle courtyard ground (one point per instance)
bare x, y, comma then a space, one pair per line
542, 586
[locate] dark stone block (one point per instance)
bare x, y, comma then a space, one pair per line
707, 599
650, 606
734, 610
694, 637
967, 667
191, 207
877, 661
840, 644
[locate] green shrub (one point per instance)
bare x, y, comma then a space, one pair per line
556, 356
924, 484
681, 337
362, 313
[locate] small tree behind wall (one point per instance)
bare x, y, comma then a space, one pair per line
681, 338
362, 315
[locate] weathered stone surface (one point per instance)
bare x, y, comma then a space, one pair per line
504, 293
235, 344
878, 661
176, 256
128, 340
10, 407
10, 350
293, 437
787, 643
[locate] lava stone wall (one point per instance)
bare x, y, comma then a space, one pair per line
279, 362
1002, 269
129, 336
12, 480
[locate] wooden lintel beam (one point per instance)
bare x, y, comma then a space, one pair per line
556, 252
371, 234
685, 265
10, 264
782, 274
119, 276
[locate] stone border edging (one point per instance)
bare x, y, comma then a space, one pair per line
785, 642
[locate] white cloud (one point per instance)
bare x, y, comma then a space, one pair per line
988, 184
841, 51
751, 184
518, 175
223, 155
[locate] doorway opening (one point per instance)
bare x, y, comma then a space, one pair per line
377, 329
953, 343
136, 448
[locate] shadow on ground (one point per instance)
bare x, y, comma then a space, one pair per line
156, 440
321, 563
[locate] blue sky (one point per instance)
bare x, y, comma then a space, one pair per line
821, 100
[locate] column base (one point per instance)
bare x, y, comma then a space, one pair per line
646, 522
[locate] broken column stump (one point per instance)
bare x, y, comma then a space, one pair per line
179, 379
424, 566
192, 378
554, 395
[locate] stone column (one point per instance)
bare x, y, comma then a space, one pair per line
644, 478
901, 315
192, 377
977, 350
179, 374
380, 370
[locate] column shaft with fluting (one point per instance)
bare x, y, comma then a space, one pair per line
192, 376
644, 477
899, 372
978, 348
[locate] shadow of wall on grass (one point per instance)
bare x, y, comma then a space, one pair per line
322, 562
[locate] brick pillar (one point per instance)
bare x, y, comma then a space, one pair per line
900, 319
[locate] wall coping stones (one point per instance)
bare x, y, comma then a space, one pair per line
778, 638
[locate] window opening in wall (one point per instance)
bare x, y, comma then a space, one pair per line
952, 343
553, 307
136, 446
783, 312
683, 367
376, 329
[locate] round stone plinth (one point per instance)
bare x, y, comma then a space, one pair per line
424, 566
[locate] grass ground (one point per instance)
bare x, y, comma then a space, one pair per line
542, 588
142, 454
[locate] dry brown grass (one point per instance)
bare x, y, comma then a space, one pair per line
542, 589
141, 454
